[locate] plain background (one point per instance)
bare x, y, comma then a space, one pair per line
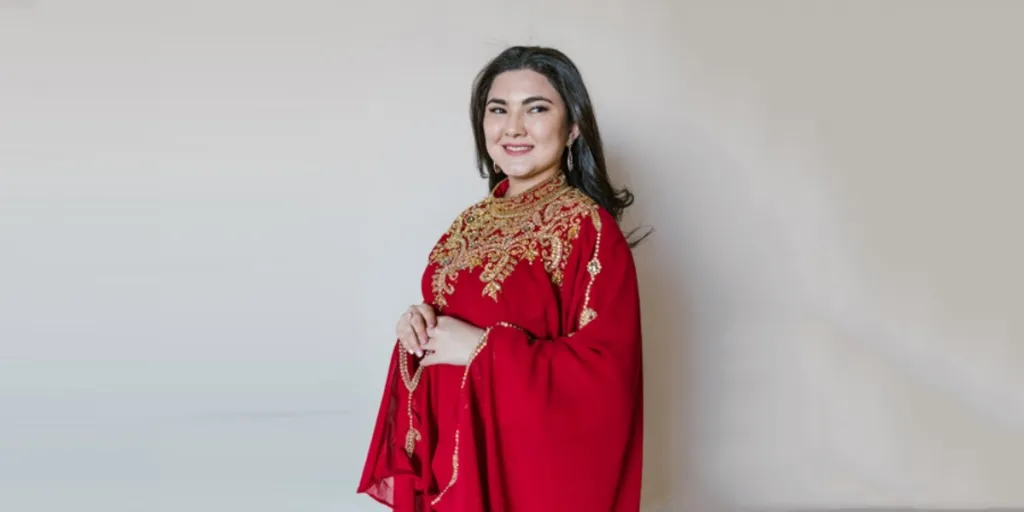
212, 213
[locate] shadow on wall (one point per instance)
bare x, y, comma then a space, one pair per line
755, 308
664, 341
711, 267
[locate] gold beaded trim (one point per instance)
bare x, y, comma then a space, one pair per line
411, 384
455, 454
593, 268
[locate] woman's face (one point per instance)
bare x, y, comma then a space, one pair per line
525, 126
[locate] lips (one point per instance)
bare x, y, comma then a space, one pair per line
517, 149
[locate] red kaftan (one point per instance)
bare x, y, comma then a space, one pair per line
548, 416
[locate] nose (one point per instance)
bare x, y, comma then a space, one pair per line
514, 126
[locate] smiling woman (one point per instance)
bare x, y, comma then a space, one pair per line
516, 385
525, 127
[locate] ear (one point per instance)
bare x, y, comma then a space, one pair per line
574, 133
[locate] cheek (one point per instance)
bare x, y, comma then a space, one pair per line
546, 131
492, 130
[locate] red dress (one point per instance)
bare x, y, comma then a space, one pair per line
548, 415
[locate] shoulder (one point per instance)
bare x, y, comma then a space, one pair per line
597, 227
596, 216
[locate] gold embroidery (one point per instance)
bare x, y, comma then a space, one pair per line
586, 316
498, 233
455, 453
593, 268
513, 326
412, 435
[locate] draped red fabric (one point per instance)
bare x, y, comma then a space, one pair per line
548, 416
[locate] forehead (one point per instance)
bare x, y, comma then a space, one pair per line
522, 83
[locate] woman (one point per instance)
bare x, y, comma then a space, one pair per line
516, 386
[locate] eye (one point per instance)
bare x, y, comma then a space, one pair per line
497, 110
539, 108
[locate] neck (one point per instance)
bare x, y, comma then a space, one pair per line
517, 186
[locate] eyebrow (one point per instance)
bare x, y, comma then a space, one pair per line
531, 99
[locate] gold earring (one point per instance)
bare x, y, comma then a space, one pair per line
568, 160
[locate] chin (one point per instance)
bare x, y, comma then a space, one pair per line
518, 169
518, 173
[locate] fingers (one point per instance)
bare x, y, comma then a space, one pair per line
415, 326
412, 347
409, 344
429, 346
407, 334
427, 313
419, 327
430, 360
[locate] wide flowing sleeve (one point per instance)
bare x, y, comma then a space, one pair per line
390, 474
556, 423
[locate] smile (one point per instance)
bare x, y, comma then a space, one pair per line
517, 149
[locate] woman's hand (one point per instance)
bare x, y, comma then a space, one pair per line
412, 328
452, 341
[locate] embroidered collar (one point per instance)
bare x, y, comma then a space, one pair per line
539, 193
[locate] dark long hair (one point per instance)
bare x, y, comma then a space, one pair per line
590, 174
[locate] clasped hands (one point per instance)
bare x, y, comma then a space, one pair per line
437, 339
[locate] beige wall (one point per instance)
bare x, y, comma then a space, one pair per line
200, 210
